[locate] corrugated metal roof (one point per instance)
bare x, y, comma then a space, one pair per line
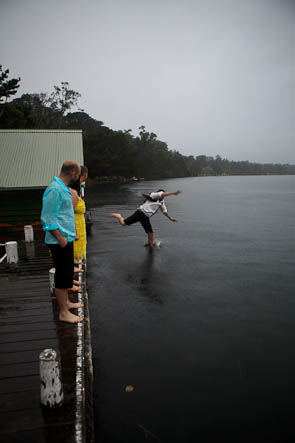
30, 158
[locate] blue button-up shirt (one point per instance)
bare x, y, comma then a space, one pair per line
58, 212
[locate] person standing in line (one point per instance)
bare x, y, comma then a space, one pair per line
79, 211
153, 202
58, 222
78, 183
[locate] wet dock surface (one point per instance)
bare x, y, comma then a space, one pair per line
28, 324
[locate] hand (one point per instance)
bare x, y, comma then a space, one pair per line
76, 237
63, 241
179, 191
173, 219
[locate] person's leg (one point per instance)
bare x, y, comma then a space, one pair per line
63, 262
68, 271
118, 217
78, 283
134, 218
146, 224
151, 239
63, 302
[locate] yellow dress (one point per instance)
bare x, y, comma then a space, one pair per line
80, 245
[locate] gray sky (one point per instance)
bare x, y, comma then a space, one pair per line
208, 77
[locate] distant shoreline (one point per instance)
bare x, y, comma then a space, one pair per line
117, 179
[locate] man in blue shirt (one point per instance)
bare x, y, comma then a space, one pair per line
58, 222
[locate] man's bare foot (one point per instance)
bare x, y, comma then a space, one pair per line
78, 283
70, 318
74, 305
74, 289
118, 217
78, 269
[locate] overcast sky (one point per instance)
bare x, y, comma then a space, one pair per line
207, 76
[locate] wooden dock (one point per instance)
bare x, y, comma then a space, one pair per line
28, 324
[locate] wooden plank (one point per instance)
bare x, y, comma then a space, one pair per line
20, 336
12, 290
19, 370
20, 400
27, 303
18, 421
27, 312
29, 345
35, 296
31, 319
36, 326
19, 384
10, 358
33, 436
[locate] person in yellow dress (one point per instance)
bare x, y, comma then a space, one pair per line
80, 243
79, 211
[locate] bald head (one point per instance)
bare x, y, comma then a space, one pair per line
70, 172
70, 166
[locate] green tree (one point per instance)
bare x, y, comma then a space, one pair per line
7, 88
207, 170
63, 98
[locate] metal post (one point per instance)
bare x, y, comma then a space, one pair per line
51, 279
29, 233
50, 375
11, 251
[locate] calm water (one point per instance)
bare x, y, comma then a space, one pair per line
203, 328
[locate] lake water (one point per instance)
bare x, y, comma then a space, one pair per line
203, 328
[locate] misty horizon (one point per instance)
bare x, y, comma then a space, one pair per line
208, 78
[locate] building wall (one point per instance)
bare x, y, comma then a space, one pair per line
20, 208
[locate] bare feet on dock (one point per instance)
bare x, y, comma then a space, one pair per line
78, 283
74, 288
78, 270
70, 318
118, 217
74, 305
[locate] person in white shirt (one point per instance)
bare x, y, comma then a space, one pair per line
151, 205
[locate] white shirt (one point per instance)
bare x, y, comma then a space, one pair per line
150, 208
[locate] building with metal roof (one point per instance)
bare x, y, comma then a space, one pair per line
29, 159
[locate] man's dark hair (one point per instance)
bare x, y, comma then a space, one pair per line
68, 167
161, 190
84, 169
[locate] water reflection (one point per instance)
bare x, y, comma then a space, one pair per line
147, 278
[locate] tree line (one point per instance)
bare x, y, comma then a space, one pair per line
109, 153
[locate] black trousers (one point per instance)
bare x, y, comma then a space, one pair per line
140, 217
63, 260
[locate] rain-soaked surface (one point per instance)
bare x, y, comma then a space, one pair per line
203, 328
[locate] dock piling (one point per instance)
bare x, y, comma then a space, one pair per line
11, 251
50, 376
29, 233
51, 279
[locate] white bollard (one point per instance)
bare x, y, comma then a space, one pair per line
29, 233
11, 251
50, 375
51, 279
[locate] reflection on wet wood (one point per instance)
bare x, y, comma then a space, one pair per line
28, 324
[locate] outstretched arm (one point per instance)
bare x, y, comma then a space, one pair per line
166, 194
169, 216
